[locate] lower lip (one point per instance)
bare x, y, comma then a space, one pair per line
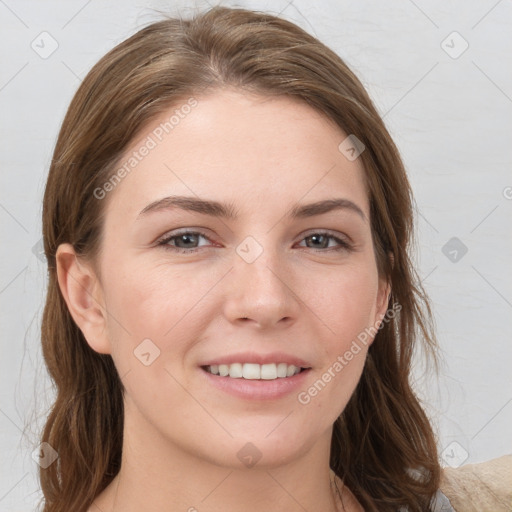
257, 389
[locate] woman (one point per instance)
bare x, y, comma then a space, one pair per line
231, 310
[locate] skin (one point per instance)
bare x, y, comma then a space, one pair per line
182, 435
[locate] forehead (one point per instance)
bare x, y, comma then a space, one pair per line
249, 149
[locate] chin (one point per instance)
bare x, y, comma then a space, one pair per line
266, 445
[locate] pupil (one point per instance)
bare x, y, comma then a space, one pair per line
187, 238
317, 238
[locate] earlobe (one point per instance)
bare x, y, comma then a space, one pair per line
82, 292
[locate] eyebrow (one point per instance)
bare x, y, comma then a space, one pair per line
228, 211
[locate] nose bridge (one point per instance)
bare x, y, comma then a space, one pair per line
260, 289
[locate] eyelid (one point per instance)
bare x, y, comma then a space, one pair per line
181, 231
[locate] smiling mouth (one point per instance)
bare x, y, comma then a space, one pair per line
253, 371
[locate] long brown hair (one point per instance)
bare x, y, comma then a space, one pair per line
383, 440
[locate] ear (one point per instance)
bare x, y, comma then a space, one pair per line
383, 295
83, 294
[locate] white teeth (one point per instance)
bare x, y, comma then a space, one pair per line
281, 369
235, 371
253, 371
268, 371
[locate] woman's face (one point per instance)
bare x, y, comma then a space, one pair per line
241, 269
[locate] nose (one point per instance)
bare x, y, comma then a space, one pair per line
262, 292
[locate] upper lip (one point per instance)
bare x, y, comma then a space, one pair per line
253, 357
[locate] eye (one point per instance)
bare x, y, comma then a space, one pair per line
322, 239
188, 242
184, 242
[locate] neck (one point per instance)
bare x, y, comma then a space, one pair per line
157, 475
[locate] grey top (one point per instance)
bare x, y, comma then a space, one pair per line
440, 503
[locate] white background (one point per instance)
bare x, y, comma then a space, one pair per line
451, 118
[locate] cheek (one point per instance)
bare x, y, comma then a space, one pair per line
346, 305
344, 300
160, 302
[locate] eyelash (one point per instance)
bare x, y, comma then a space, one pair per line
343, 245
